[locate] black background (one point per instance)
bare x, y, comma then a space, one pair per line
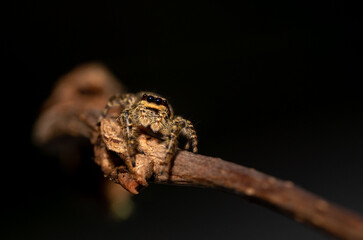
272, 85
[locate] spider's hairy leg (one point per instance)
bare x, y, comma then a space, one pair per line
124, 100
129, 134
189, 132
176, 127
114, 101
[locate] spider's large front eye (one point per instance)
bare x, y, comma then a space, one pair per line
150, 98
158, 101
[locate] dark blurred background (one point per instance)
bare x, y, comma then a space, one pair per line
272, 85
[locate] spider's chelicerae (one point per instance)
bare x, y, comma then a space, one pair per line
150, 113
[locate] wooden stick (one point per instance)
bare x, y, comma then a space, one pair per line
75, 109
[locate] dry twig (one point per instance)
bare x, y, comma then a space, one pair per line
75, 108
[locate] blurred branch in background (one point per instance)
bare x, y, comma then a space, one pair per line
75, 107
59, 129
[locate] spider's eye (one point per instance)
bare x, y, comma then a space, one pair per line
165, 102
144, 96
150, 98
158, 101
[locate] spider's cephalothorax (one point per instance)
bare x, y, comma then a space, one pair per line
150, 113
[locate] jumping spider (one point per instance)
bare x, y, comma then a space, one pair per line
149, 113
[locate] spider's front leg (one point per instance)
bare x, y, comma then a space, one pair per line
125, 101
129, 133
189, 132
127, 130
179, 125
